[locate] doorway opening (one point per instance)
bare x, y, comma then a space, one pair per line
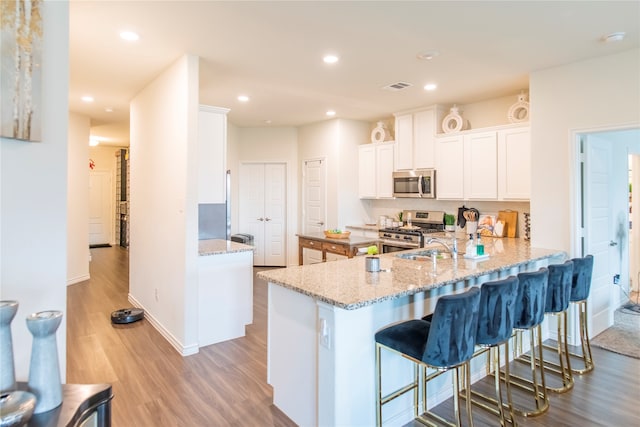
604, 226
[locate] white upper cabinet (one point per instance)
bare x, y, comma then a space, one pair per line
375, 166
212, 154
484, 165
415, 139
481, 166
450, 167
514, 164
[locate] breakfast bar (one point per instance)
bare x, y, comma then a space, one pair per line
323, 317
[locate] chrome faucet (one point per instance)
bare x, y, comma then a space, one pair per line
453, 249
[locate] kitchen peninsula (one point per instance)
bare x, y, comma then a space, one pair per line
225, 290
323, 317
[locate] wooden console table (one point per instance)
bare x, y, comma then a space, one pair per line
79, 402
318, 241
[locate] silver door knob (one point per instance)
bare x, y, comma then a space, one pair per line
267, 219
260, 219
321, 223
612, 243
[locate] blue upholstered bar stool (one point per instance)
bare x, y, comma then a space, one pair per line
529, 315
495, 327
558, 295
446, 342
580, 288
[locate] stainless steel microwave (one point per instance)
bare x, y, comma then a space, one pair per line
418, 183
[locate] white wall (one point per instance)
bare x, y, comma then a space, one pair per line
582, 96
264, 145
337, 140
78, 200
164, 217
33, 200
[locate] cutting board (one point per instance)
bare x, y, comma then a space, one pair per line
510, 219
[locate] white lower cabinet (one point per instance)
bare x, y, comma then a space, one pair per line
375, 170
484, 165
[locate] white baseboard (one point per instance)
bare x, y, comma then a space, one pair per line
175, 343
78, 279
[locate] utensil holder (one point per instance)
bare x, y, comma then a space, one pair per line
8, 311
472, 227
372, 264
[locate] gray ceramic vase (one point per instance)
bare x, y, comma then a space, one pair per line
8, 310
44, 370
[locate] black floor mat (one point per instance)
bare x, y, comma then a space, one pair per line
101, 245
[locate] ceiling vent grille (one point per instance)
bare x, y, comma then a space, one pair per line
397, 86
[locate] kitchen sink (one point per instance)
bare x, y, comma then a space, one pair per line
425, 255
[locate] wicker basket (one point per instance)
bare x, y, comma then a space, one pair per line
343, 235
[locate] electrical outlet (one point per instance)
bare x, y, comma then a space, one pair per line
325, 333
616, 279
157, 297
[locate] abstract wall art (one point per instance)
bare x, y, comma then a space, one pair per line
20, 69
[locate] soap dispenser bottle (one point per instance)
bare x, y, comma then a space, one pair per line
470, 249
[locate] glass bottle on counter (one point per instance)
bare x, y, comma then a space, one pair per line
479, 246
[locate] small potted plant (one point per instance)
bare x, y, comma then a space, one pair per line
449, 222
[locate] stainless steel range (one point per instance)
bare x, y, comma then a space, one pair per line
411, 234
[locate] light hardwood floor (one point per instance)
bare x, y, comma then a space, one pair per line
225, 384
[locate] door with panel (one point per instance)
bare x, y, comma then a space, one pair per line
101, 222
262, 210
314, 211
598, 231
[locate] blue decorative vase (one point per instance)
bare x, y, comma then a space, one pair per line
8, 311
44, 370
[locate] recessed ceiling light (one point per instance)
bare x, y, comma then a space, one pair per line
129, 36
268, 122
330, 59
108, 109
331, 113
614, 37
430, 86
428, 55
93, 142
243, 98
87, 98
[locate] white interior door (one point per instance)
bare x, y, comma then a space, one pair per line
315, 202
262, 210
100, 211
275, 181
251, 208
598, 230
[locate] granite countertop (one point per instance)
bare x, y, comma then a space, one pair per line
219, 246
352, 240
346, 284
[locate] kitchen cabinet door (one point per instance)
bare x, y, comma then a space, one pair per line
367, 171
404, 142
212, 154
514, 164
384, 171
425, 126
450, 167
481, 166
375, 170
